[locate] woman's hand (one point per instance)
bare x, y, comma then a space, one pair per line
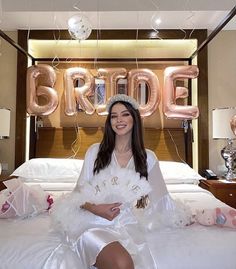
106, 211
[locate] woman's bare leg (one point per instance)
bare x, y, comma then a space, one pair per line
114, 256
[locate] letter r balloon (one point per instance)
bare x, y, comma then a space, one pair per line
78, 95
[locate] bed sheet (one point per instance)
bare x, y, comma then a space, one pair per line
32, 243
195, 246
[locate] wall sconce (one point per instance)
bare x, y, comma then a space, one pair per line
4, 123
221, 118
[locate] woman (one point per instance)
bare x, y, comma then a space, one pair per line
122, 146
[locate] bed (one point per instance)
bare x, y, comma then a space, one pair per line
32, 242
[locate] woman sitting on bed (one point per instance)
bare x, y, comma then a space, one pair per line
123, 147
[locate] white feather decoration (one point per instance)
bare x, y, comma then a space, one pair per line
110, 186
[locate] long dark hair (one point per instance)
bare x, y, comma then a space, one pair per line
108, 144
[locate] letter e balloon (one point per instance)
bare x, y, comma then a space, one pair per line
170, 93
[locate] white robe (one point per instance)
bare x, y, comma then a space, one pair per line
128, 233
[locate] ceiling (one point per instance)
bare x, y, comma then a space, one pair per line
122, 14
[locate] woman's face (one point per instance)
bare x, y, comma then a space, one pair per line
121, 119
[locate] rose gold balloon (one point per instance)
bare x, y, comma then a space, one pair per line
170, 109
78, 95
40, 81
135, 77
111, 77
233, 124
181, 93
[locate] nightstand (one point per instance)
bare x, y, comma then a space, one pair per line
221, 189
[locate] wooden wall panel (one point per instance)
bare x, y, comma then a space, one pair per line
58, 142
21, 100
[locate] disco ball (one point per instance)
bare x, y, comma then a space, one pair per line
79, 27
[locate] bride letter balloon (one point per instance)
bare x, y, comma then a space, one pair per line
170, 109
135, 77
40, 81
75, 95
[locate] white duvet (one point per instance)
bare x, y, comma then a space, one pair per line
31, 243
196, 246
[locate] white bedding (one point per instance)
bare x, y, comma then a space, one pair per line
54, 186
31, 243
195, 246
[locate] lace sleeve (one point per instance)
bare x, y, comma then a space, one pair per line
157, 183
162, 211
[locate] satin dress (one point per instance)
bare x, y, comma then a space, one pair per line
129, 232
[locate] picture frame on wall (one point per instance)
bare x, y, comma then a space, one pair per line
99, 92
142, 96
122, 86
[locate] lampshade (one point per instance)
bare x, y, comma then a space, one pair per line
221, 118
4, 123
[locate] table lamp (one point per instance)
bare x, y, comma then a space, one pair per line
221, 118
4, 125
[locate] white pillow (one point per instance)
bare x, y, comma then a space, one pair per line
49, 170
53, 186
177, 173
